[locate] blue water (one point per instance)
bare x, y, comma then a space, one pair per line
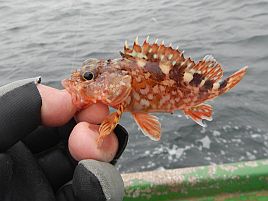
52, 38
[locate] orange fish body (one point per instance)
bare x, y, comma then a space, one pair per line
150, 78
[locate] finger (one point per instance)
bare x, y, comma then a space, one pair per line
94, 114
82, 143
57, 107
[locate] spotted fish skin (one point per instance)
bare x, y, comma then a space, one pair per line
150, 78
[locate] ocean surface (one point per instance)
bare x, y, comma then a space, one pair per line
52, 38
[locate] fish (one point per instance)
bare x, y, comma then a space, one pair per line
149, 78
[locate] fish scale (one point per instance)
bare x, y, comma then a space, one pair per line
150, 78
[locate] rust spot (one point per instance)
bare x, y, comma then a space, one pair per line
197, 79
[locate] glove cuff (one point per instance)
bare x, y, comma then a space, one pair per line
122, 136
95, 180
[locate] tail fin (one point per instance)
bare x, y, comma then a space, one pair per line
231, 81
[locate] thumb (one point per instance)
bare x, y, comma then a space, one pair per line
57, 108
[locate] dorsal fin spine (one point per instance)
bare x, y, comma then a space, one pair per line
166, 56
147, 39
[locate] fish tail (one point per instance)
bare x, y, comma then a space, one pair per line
228, 83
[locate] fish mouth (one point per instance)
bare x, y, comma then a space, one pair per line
79, 98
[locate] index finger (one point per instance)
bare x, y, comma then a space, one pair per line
58, 108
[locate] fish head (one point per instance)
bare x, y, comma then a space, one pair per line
95, 82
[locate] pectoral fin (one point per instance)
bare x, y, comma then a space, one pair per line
109, 124
149, 125
200, 112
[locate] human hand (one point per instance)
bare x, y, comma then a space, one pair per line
19, 110
57, 109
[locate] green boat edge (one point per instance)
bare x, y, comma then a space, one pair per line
227, 182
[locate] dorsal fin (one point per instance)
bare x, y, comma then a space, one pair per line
163, 60
205, 73
165, 56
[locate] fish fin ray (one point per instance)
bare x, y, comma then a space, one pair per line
149, 125
200, 112
233, 80
206, 70
108, 125
163, 57
225, 85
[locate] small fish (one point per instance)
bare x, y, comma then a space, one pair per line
150, 78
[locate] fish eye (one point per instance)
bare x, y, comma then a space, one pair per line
88, 75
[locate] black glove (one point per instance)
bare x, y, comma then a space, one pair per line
35, 163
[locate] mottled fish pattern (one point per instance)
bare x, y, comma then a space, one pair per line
150, 78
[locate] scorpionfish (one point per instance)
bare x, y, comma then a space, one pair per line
150, 78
